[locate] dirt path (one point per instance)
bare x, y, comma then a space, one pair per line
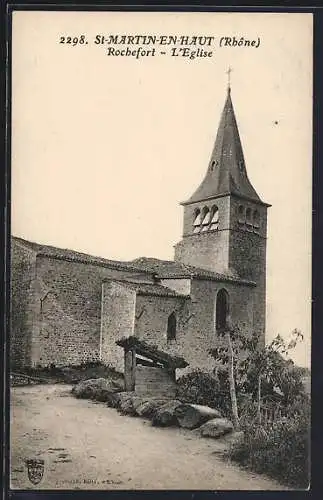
86, 445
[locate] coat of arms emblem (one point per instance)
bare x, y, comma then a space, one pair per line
35, 469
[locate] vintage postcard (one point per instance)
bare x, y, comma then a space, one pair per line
161, 177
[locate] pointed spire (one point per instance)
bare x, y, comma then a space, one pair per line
226, 173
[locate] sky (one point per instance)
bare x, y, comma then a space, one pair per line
104, 148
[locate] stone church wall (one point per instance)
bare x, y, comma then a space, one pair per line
180, 285
196, 332
67, 311
118, 317
152, 316
208, 251
248, 258
201, 335
253, 248
23, 263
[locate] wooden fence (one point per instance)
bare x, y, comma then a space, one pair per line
23, 379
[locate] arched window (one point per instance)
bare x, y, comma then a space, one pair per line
221, 310
171, 327
256, 220
248, 217
197, 221
205, 219
241, 214
214, 218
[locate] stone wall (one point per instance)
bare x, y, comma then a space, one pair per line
180, 285
151, 381
235, 247
196, 332
23, 262
209, 249
64, 313
247, 257
67, 311
118, 319
152, 316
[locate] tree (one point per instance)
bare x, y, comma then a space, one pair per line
271, 364
249, 366
228, 355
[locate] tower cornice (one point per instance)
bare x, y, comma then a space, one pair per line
223, 195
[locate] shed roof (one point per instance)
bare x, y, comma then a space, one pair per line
152, 352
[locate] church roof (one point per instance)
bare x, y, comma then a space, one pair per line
226, 173
162, 269
173, 269
73, 256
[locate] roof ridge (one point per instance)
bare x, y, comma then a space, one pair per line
52, 251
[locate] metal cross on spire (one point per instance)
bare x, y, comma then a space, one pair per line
228, 72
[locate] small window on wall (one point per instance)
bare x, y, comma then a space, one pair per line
214, 218
171, 327
221, 310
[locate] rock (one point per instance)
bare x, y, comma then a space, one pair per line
125, 403
99, 389
164, 416
148, 408
191, 416
216, 427
138, 401
235, 438
111, 398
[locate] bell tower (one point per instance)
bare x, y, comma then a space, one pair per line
225, 221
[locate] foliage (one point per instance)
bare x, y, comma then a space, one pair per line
260, 370
72, 373
280, 449
202, 388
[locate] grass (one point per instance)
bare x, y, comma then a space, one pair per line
280, 450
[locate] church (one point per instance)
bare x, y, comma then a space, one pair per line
68, 307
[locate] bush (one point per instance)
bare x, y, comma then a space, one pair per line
88, 370
280, 450
202, 388
73, 373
